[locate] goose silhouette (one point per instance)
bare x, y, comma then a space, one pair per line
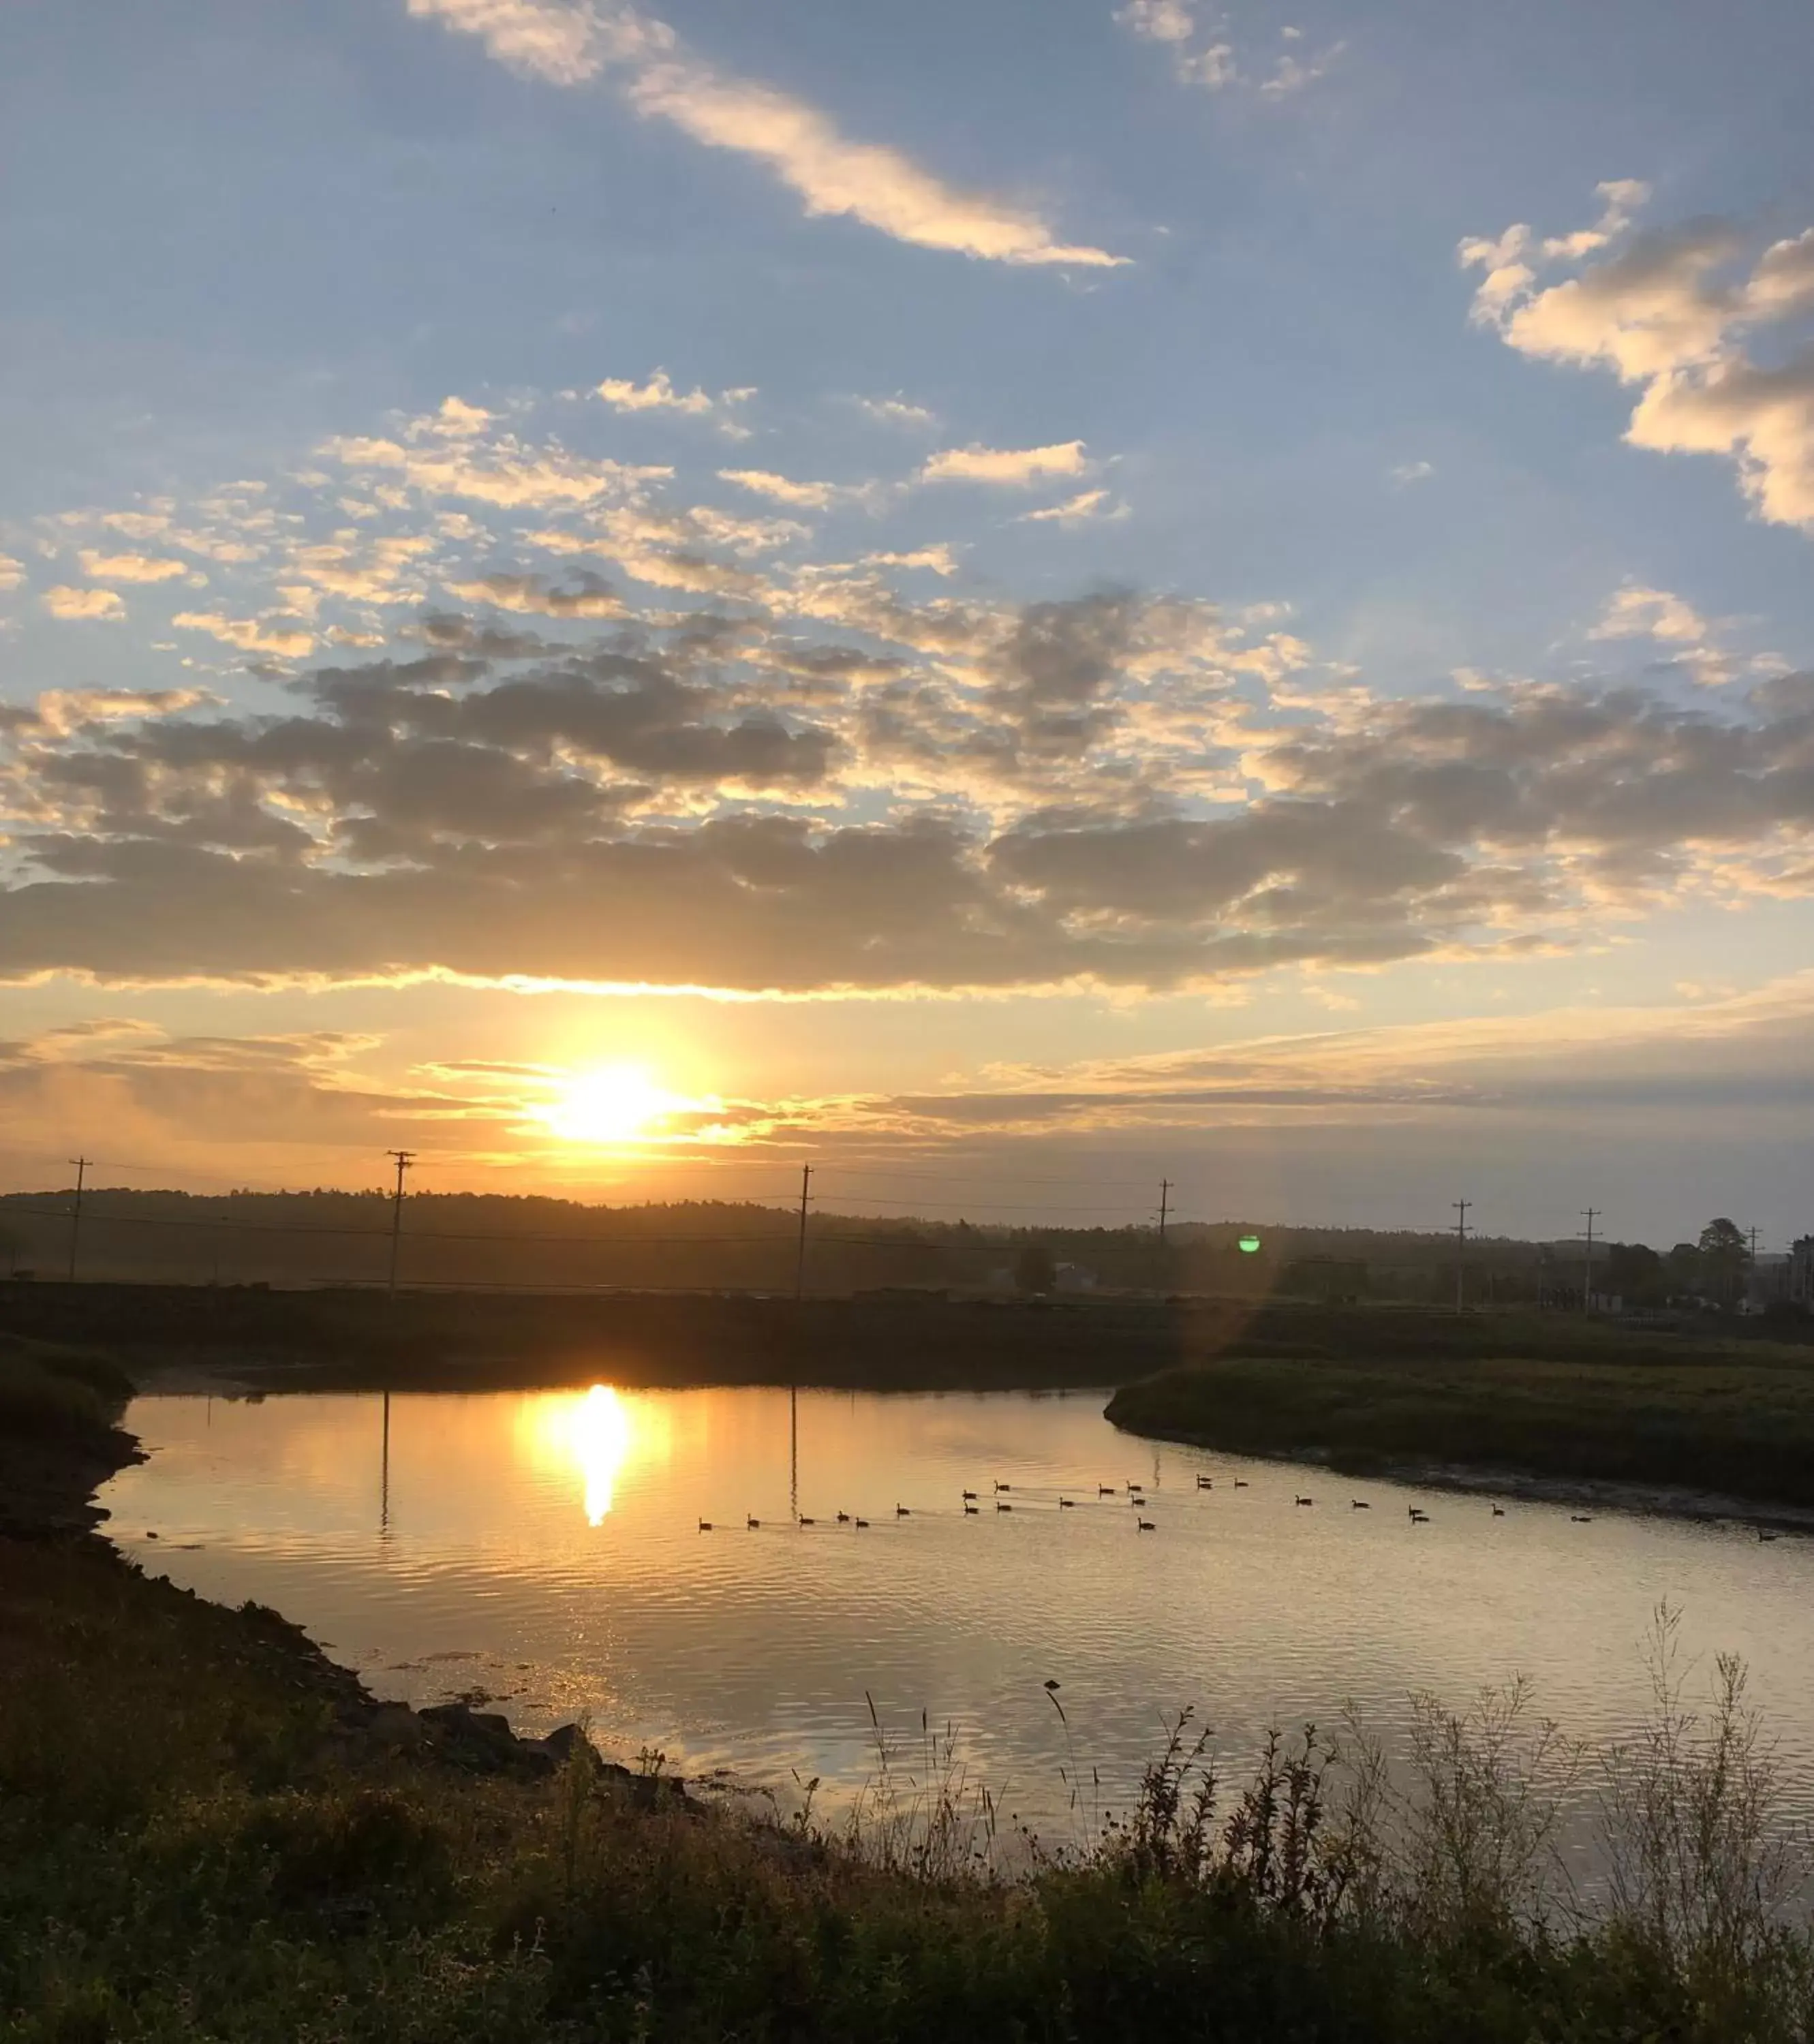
1144, 1526
705, 1525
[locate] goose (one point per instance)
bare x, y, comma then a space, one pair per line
1205, 1483
1581, 1518
1105, 1490
970, 1511
705, 1525
753, 1521
1765, 1534
1001, 1507
807, 1522
1001, 1487
970, 1497
1499, 1511
861, 1522
1419, 1519
903, 1511
1066, 1504
1358, 1504
1144, 1526
1296, 1500
1240, 1483
843, 1518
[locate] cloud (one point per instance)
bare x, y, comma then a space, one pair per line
939, 560
64, 601
1634, 612
281, 635
896, 412
131, 567
1669, 314
831, 174
532, 593
1407, 472
1014, 466
502, 470
659, 394
12, 572
807, 496
1079, 510
1213, 65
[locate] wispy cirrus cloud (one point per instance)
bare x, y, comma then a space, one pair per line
831, 174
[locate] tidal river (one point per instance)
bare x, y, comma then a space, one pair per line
544, 1550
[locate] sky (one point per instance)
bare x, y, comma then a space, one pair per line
1009, 601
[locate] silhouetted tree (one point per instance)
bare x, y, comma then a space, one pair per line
1724, 1259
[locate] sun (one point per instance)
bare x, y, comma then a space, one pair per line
614, 1104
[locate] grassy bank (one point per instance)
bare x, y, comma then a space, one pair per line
207, 1830
1740, 1421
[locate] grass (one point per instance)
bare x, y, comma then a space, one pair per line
1740, 1421
46, 1390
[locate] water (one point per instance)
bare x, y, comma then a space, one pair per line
543, 1549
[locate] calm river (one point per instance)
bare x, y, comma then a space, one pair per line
544, 1549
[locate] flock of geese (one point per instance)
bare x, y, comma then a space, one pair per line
1005, 1501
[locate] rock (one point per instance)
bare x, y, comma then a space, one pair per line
566, 1740
396, 1727
482, 1742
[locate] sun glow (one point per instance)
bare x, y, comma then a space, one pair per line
614, 1104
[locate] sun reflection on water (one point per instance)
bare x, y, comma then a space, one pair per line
593, 1432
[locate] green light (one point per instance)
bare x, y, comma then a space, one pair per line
1250, 1245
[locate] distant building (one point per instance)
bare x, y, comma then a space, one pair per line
1801, 1272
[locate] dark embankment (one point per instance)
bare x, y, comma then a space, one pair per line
209, 1832
1735, 1420
360, 1340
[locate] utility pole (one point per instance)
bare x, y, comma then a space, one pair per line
404, 1159
1590, 1215
800, 1252
1165, 1207
1461, 1208
82, 1165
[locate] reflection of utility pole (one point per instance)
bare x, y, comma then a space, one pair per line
1590, 1215
405, 1159
800, 1253
793, 1449
384, 1474
1165, 1205
1461, 1208
81, 1164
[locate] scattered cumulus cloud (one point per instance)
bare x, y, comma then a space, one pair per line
1014, 467
658, 394
897, 412
284, 637
12, 572
1407, 472
62, 600
1672, 315
1205, 58
784, 489
132, 567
